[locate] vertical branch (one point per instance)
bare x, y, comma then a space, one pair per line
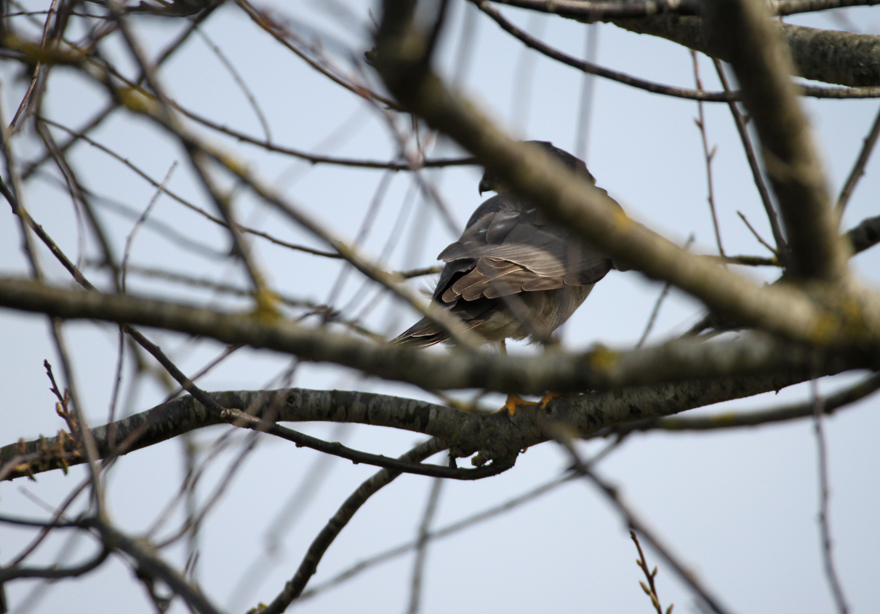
55, 324
709, 155
588, 88
824, 525
422, 546
749, 148
743, 31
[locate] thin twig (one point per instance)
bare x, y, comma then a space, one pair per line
656, 310
614, 496
707, 154
594, 69
455, 527
755, 233
859, 167
422, 547
751, 418
344, 514
749, 149
650, 588
157, 184
824, 524
239, 80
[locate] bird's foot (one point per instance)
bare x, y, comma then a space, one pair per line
512, 402
548, 397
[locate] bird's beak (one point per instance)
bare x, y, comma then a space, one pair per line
486, 184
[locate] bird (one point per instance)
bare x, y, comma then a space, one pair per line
513, 273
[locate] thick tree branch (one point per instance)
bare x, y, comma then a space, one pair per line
865, 235
591, 11
829, 56
600, 368
494, 436
743, 30
752, 418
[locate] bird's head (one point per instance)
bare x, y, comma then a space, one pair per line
489, 183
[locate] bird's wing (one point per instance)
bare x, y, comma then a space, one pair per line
509, 250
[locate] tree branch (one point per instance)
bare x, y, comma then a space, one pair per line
494, 436
830, 56
328, 534
742, 30
599, 368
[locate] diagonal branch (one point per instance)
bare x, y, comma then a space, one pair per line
294, 587
742, 29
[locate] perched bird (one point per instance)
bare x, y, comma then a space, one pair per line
513, 273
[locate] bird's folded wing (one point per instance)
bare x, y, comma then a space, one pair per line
506, 252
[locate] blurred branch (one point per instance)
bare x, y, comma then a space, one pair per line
865, 235
222, 200
744, 32
600, 368
54, 572
415, 591
174, 196
272, 26
148, 563
495, 436
591, 11
752, 158
99, 117
593, 69
725, 96
450, 529
320, 159
708, 154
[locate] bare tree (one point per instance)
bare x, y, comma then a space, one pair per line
214, 180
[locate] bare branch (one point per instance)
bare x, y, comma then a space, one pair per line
636, 523
752, 158
859, 167
309, 565
762, 64
751, 418
824, 524
591, 11
865, 235
830, 56
600, 368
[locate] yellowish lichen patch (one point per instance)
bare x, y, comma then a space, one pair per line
603, 359
136, 99
266, 309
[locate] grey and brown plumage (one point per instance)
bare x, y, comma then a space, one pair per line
513, 273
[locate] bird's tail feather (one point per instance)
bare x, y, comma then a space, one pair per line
422, 334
